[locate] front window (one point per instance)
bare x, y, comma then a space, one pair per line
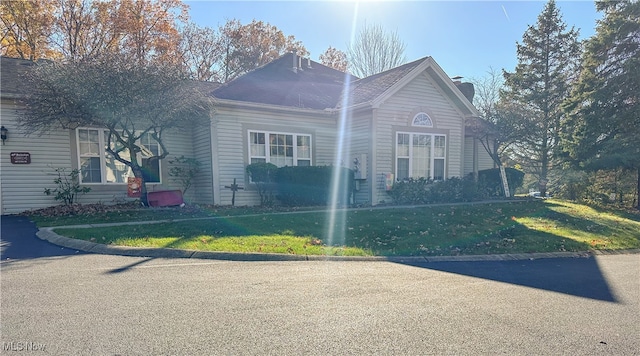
98, 166
420, 155
281, 149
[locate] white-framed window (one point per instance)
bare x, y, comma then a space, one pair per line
99, 167
420, 155
422, 119
281, 149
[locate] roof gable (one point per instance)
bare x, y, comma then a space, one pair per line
377, 88
370, 88
310, 85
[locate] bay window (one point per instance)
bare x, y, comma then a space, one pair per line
99, 167
420, 155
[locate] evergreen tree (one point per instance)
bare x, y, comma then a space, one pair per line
603, 127
547, 61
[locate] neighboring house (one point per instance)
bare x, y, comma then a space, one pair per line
405, 122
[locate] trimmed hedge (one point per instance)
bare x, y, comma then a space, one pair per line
311, 185
426, 191
454, 190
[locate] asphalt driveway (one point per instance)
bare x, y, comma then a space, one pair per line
61, 301
18, 240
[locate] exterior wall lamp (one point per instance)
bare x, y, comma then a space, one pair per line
3, 134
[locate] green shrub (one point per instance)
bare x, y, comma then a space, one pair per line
411, 191
311, 185
426, 191
490, 183
263, 176
67, 186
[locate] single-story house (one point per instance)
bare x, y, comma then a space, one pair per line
409, 121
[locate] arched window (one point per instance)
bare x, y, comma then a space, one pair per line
422, 119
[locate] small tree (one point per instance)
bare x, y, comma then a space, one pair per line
131, 101
184, 170
67, 186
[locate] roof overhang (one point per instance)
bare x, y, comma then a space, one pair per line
237, 104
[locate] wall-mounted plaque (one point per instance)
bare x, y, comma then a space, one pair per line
20, 157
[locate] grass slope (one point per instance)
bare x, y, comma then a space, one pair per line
530, 226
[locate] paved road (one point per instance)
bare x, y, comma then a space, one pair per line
115, 305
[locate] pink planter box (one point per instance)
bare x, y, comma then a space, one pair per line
165, 198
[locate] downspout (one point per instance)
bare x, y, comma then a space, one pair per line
373, 170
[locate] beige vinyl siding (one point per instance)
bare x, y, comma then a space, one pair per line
470, 150
395, 114
202, 190
23, 184
230, 145
484, 159
361, 138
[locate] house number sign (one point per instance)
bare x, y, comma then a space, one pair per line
20, 157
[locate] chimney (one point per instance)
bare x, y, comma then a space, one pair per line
308, 63
467, 90
300, 64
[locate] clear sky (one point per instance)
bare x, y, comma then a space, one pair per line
465, 38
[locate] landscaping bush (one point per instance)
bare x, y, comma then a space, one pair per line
67, 186
311, 185
410, 191
490, 183
263, 176
426, 191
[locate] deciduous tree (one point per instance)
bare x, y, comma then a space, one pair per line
246, 47
375, 50
201, 50
334, 58
26, 27
130, 100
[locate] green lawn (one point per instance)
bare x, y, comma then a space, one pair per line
529, 226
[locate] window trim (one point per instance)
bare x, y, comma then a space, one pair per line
267, 145
102, 155
432, 157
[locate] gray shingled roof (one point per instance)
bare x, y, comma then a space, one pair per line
369, 88
11, 69
276, 83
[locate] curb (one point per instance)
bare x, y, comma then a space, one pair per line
47, 234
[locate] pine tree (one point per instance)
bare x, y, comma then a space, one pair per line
603, 125
547, 61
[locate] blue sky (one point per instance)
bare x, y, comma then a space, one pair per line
466, 38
